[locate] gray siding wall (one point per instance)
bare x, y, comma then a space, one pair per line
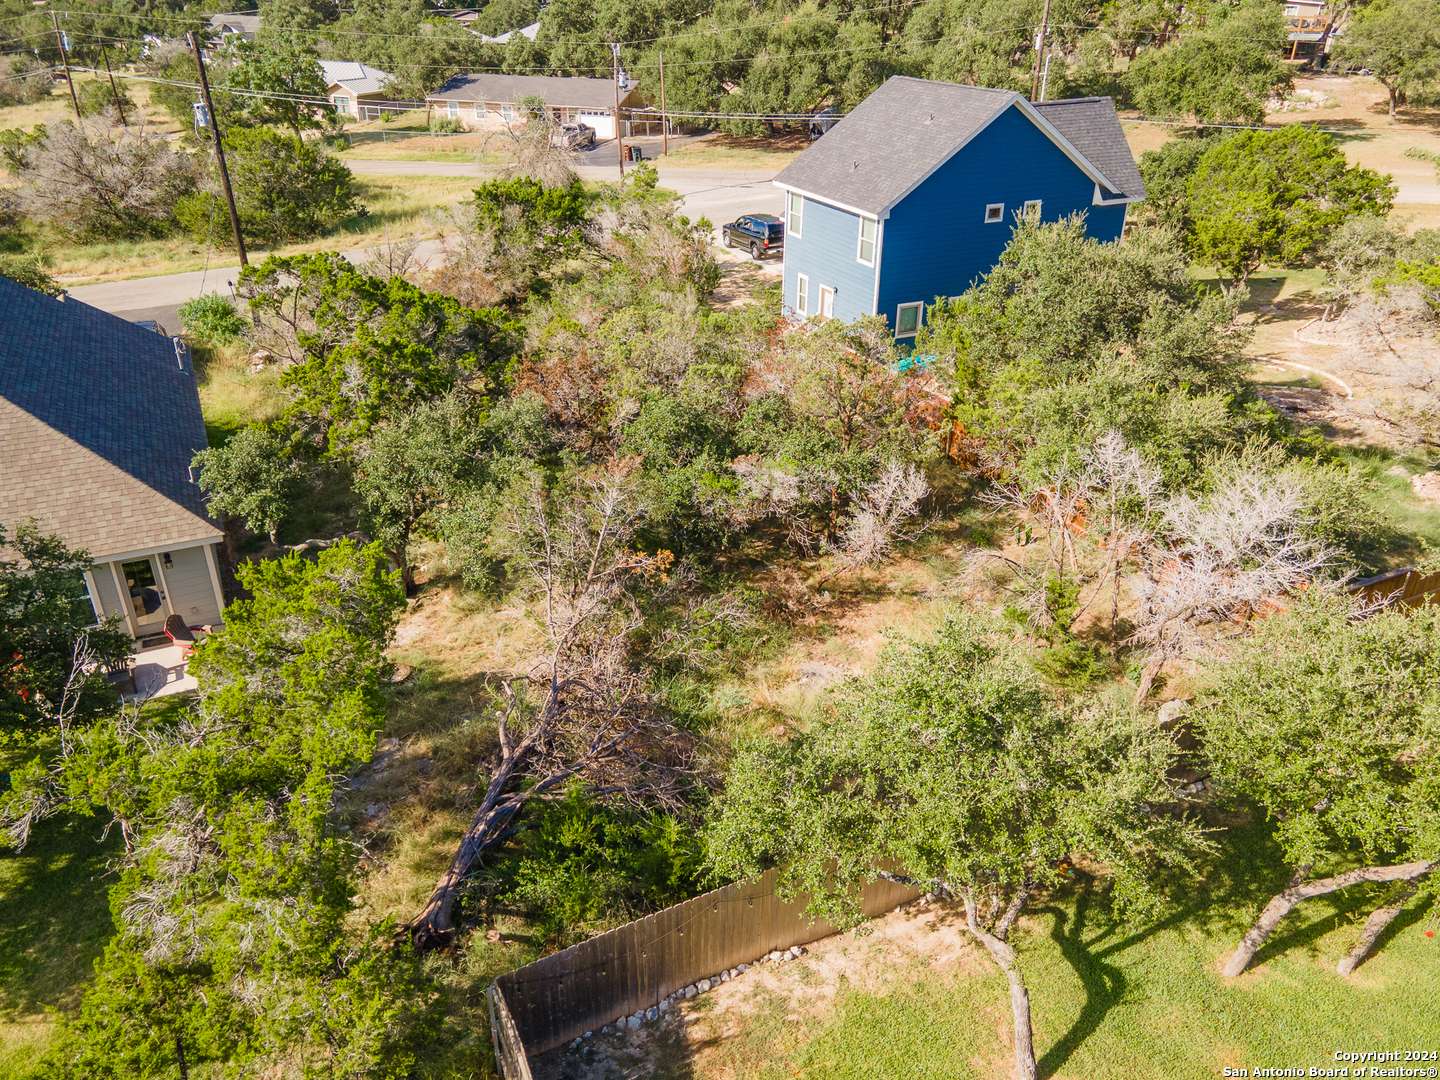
192, 596
105, 594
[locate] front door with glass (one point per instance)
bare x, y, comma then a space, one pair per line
147, 596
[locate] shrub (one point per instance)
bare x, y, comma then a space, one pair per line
97, 99
285, 189
23, 80
212, 319
445, 125
29, 271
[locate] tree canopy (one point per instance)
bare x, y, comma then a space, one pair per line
1328, 726
952, 766
1221, 71
1275, 196
1399, 42
234, 902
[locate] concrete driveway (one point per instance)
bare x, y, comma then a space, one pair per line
716, 194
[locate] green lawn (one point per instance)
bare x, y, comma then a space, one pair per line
1117, 1002
54, 921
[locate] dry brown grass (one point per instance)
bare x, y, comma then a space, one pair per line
1353, 106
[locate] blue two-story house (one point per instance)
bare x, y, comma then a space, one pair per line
914, 194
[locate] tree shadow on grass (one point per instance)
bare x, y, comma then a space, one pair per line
1086, 931
54, 915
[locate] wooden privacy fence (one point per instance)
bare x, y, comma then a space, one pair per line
546, 1004
1406, 588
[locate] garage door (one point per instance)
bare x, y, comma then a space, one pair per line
602, 122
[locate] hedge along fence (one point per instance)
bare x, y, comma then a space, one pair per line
543, 1005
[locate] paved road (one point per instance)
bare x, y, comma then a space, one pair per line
715, 194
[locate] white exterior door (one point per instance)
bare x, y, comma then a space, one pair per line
145, 594
826, 310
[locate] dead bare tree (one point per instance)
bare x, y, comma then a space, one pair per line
1222, 556
884, 514
1108, 500
535, 146
594, 720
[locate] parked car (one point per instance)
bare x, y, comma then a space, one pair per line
573, 136
760, 234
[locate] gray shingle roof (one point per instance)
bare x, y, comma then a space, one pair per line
356, 77
894, 138
98, 423
242, 22
554, 90
909, 127
1091, 126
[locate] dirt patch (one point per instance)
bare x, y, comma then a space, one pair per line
1426, 486
692, 1039
1366, 376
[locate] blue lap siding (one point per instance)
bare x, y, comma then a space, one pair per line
937, 241
826, 251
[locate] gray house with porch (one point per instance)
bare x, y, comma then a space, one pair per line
99, 419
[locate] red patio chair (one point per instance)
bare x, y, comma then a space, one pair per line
180, 634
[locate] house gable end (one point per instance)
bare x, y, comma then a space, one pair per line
937, 239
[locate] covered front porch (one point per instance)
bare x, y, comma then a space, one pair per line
142, 589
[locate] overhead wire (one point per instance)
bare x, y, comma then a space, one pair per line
679, 114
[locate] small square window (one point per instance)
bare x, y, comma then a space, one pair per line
1032, 209
994, 212
866, 251
907, 319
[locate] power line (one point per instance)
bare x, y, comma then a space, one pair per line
674, 114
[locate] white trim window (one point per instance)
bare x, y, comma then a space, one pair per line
865, 249
509, 113
908, 318
452, 109
342, 105
1031, 209
994, 213
802, 295
794, 213
82, 599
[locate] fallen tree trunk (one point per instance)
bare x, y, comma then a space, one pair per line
1375, 925
1284, 902
434, 926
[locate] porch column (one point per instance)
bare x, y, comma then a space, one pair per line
215, 579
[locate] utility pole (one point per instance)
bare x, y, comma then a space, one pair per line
664, 114
619, 129
219, 147
1039, 51
119, 104
65, 59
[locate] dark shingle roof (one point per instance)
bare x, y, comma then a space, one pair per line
1091, 126
893, 139
907, 128
555, 90
98, 423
